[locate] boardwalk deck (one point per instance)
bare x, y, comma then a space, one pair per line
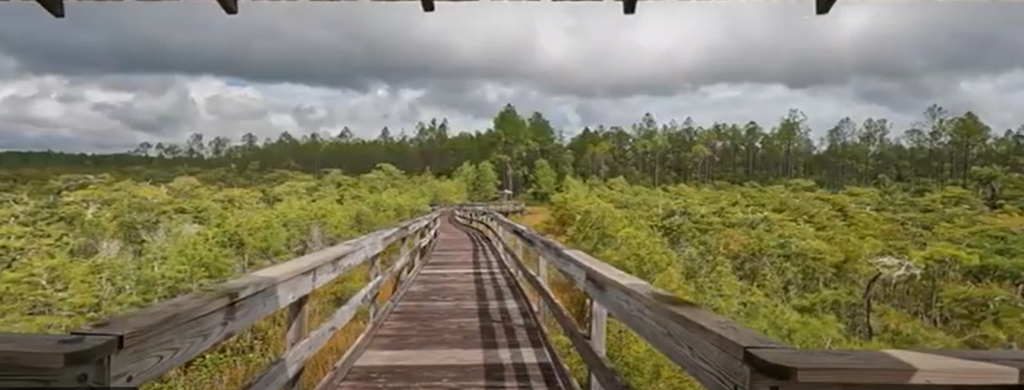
463, 324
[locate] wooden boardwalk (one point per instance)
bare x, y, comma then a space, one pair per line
459, 320
463, 324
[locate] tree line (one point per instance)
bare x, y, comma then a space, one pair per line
941, 149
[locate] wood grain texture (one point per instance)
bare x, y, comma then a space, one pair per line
457, 330
708, 347
1005, 367
38, 360
296, 357
53, 351
725, 356
591, 355
348, 360
159, 338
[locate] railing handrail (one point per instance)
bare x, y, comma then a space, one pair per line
134, 348
137, 347
721, 354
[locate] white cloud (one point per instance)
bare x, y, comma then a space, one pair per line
111, 76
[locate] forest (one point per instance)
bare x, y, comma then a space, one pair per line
860, 239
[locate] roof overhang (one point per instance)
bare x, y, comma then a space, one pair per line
230, 7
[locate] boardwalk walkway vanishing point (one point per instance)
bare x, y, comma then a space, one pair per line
466, 313
463, 324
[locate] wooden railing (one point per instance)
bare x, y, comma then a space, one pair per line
136, 348
139, 347
501, 207
715, 351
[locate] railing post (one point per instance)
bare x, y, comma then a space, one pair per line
403, 251
542, 275
598, 330
297, 315
374, 274
68, 361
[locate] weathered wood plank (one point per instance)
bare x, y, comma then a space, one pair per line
297, 315
598, 332
159, 338
452, 377
53, 351
892, 366
723, 355
295, 358
708, 347
406, 274
40, 360
595, 360
435, 321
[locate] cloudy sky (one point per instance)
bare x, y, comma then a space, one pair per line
111, 75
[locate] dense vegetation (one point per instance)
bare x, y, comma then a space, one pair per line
794, 262
943, 149
80, 248
791, 237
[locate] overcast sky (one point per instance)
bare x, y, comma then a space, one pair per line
111, 75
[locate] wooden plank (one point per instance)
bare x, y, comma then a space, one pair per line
561, 371
347, 360
447, 357
139, 326
708, 347
598, 332
40, 360
717, 351
93, 375
159, 338
892, 366
53, 351
487, 340
297, 315
288, 366
595, 361
495, 376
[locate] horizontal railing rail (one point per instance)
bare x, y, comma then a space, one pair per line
501, 207
717, 352
135, 348
139, 347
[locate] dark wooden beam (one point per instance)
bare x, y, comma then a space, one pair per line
230, 7
822, 7
428, 5
629, 7
54, 7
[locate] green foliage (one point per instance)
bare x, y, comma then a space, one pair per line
76, 249
485, 182
545, 181
793, 262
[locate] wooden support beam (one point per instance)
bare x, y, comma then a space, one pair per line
428, 5
629, 6
598, 330
230, 7
822, 7
54, 7
297, 314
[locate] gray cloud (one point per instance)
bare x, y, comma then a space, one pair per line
112, 75
588, 50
